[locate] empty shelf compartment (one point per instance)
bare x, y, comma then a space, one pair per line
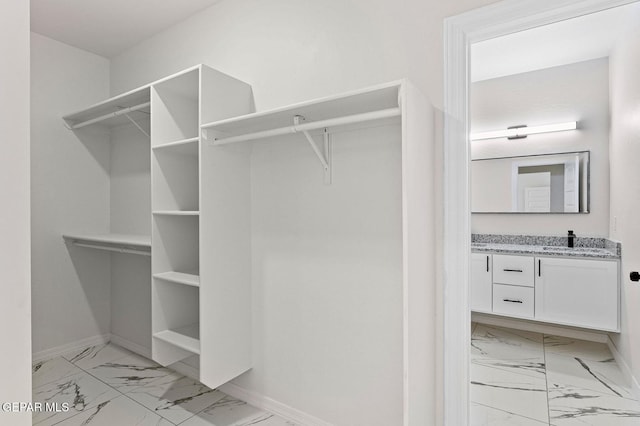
187, 338
180, 278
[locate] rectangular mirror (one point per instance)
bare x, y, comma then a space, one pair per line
547, 183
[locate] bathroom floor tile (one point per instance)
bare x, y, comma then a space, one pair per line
502, 343
175, 397
603, 377
514, 372
81, 391
594, 351
94, 356
128, 373
504, 389
577, 406
51, 370
120, 411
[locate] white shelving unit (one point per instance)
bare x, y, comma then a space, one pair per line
177, 104
163, 220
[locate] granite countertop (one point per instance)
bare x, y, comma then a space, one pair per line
599, 248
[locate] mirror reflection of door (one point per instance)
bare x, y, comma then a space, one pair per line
534, 192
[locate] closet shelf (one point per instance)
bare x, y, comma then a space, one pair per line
371, 104
186, 146
186, 338
122, 243
176, 212
180, 278
113, 111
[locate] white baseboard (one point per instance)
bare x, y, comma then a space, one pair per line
626, 371
132, 346
556, 330
70, 347
275, 407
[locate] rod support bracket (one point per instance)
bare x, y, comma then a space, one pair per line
324, 157
135, 123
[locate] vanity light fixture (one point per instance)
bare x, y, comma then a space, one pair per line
519, 132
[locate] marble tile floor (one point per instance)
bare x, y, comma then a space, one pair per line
521, 378
107, 385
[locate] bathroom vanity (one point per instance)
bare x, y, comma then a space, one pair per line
539, 278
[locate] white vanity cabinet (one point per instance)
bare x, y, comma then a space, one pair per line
560, 290
577, 292
481, 282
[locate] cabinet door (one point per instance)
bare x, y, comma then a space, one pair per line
578, 292
481, 295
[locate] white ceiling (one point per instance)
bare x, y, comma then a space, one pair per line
566, 42
108, 27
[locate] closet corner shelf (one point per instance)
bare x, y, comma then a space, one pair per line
184, 338
176, 212
122, 243
179, 278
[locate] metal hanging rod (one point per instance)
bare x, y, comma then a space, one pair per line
123, 111
339, 121
111, 248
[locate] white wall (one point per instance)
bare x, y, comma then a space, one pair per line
294, 50
15, 365
576, 92
327, 274
69, 193
625, 185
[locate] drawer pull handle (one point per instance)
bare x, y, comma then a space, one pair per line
512, 270
512, 300
487, 263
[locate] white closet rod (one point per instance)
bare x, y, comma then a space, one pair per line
123, 111
339, 121
116, 249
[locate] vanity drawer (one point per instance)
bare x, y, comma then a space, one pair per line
514, 270
513, 300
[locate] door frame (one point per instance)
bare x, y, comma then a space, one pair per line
460, 32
